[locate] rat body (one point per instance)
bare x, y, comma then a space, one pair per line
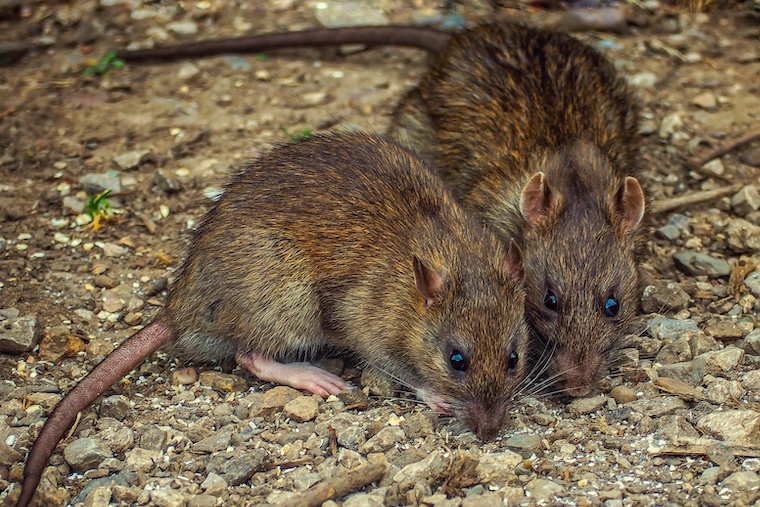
345, 241
534, 131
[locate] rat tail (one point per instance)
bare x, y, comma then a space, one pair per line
116, 365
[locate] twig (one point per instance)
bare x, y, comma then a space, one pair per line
682, 201
744, 452
698, 162
337, 487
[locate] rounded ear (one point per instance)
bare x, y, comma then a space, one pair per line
629, 205
536, 200
429, 282
514, 261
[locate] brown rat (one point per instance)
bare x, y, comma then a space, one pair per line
535, 131
345, 241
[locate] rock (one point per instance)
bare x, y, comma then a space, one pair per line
675, 428
167, 497
714, 168
183, 27
214, 485
497, 467
724, 329
752, 281
544, 490
274, 400
668, 330
705, 100
662, 296
340, 13
485, 499
720, 390
217, 441
377, 382
165, 183
743, 236
185, 376
85, 454
417, 425
98, 497
586, 405
131, 159
694, 263
238, 470
421, 471
740, 427
19, 334
302, 409
94, 184
750, 156
679, 350
115, 406
72, 206
223, 382
656, 407
746, 200
115, 250
724, 360
720, 454
643, 79
142, 460
383, 440
203, 501
352, 437
751, 380
670, 124
742, 481
711, 475
623, 394
529, 441
701, 343
8, 455
186, 72
691, 372
153, 439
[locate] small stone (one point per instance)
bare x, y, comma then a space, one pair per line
725, 330
153, 439
656, 407
114, 250
750, 156
623, 394
377, 383
166, 183
752, 281
662, 296
675, 428
383, 440
497, 467
302, 409
741, 481
751, 380
185, 376
94, 184
421, 471
183, 27
238, 470
72, 205
643, 79
705, 100
142, 460
167, 497
678, 350
352, 437
85, 454
19, 334
714, 168
527, 441
720, 390
746, 200
214, 485
115, 406
720, 454
105, 282
690, 372
544, 490
133, 318
725, 360
417, 425
670, 124
354, 398
711, 475
214, 443
668, 330
741, 427
743, 236
694, 263
98, 497
187, 71
203, 501
274, 400
224, 382
586, 405
131, 159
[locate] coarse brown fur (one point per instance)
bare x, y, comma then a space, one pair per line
505, 102
347, 241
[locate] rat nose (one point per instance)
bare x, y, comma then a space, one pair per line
484, 422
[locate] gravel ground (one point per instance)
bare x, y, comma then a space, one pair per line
677, 424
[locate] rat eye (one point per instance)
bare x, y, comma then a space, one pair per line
550, 301
512, 364
457, 361
611, 306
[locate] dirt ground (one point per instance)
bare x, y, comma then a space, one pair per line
174, 132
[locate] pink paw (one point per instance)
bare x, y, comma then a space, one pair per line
297, 375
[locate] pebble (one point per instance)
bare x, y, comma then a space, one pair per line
720, 390
497, 467
202, 501
238, 470
675, 428
544, 490
528, 441
742, 481
383, 440
668, 330
422, 471
752, 281
743, 236
131, 159
623, 394
217, 441
724, 329
740, 427
273, 400
714, 168
142, 460
663, 295
656, 407
746, 200
224, 382
85, 454
98, 497
104, 282
720, 454
694, 263
705, 100
750, 156
725, 360
643, 79
186, 72
153, 439
586, 405
751, 380
95, 183
19, 334
340, 13
114, 250
214, 485
670, 124
302, 409
167, 497
184, 376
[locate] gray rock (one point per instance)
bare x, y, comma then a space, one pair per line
586, 405
183, 27
131, 159
656, 407
72, 205
677, 351
19, 334
528, 441
352, 437
544, 490
691, 372
741, 481
720, 454
711, 475
85, 454
350, 13
115, 406
98, 497
743, 236
677, 225
701, 343
214, 485
95, 183
720, 390
746, 200
752, 281
203, 501
725, 360
238, 470
694, 263
302, 409
741, 427
153, 438
667, 330
115, 435
662, 296
165, 183
215, 442
751, 380
383, 440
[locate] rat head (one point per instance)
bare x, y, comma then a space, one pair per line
580, 244
471, 337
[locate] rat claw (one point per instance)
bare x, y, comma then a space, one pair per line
297, 375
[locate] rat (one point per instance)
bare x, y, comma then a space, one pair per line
535, 131
348, 242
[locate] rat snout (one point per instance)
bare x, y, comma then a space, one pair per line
485, 422
577, 372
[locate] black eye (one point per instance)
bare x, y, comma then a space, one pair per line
457, 361
512, 364
550, 301
611, 307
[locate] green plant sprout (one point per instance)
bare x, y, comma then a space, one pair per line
298, 136
99, 208
105, 64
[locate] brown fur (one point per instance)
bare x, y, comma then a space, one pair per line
343, 241
504, 102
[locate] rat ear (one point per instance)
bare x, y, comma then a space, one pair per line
429, 282
628, 207
536, 200
514, 262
